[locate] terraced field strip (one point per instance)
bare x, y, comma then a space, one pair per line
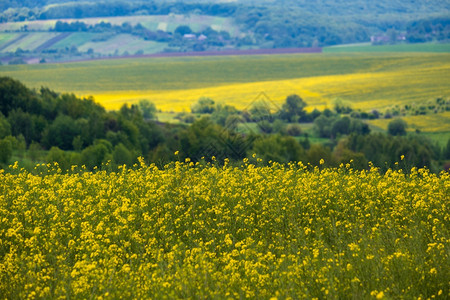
53, 41
124, 43
162, 22
7, 37
12, 40
31, 41
77, 39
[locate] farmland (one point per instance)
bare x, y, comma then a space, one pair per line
140, 232
163, 22
36, 36
366, 80
144, 159
367, 47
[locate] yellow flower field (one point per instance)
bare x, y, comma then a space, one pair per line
366, 80
364, 91
206, 231
439, 122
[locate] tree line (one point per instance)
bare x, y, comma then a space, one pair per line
41, 126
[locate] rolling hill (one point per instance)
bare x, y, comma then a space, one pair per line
366, 80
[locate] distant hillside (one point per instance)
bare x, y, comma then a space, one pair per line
330, 7
28, 28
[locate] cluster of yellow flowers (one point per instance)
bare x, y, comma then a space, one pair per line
210, 231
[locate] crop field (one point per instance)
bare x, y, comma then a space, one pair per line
430, 123
124, 43
119, 44
6, 37
366, 80
435, 126
30, 41
77, 39
166, 23
367, 47
211, 232
38, 33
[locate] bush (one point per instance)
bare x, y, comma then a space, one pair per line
397, 127
204, 105
5, 151
294, 130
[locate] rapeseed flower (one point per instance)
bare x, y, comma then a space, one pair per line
204, 231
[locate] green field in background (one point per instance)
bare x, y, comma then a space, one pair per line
366, 47
201, 72
366, 80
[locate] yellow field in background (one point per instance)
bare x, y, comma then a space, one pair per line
366, 81
430, 123
363, 90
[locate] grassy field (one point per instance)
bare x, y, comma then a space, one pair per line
123, 43
367, 47
367, 80
77, 39
224, 232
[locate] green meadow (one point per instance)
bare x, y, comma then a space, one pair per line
180, 73
366, 80
367, 47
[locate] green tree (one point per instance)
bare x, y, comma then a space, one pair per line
323, 125
121, 155
61, 133
22, 123
340, 126
397, 127
148, 109
5, 127
293, 108
265, 126
34, 151
206, 139
182, 30
317, 152
128, 133
344, 155
95, 155
446, 152
204, 105
77, 143
221, 113
232, 122
342, 107
260, 111
59, 156
5, 151
278, 148
14, 95
294, 130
